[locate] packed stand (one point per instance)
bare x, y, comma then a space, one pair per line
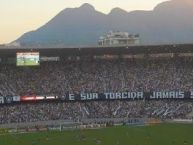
57, 78
97, 76
76, 111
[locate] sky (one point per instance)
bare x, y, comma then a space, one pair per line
20, 16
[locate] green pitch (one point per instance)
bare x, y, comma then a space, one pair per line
163, 134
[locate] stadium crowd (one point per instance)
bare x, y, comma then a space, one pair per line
76, 111
96, 76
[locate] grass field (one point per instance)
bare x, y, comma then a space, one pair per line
163, 134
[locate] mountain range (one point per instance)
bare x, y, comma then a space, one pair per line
168, 22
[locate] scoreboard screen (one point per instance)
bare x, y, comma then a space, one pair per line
28, 59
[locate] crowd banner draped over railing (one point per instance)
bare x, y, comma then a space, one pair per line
126, 95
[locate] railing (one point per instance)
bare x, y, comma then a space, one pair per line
38, 123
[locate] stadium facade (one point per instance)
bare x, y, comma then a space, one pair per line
97, 84
10, 52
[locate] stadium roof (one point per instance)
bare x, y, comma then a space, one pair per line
96, 50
